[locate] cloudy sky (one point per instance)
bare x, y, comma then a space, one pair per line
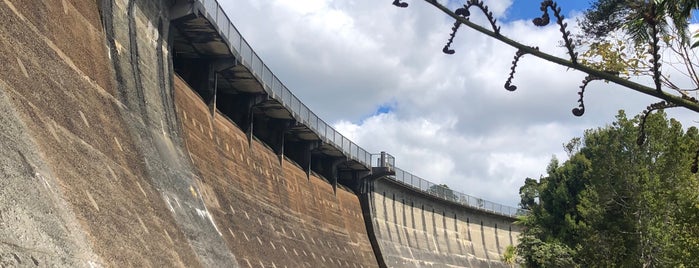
377, 73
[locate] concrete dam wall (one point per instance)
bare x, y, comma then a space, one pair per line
269, 212
418, 230
135, 133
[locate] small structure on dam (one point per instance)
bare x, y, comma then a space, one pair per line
162, 139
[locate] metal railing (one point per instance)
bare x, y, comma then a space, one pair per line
442, 192
384, 160
240, 48
276, 89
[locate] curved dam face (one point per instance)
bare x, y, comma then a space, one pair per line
411, 229
91, 160
80, 177
119, 149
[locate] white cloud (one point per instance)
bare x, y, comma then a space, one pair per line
451, 120
302, 7
498, 7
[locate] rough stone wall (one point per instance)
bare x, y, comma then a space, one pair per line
413, 230
270, 213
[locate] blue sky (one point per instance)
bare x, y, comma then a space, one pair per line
529, 9
385, 108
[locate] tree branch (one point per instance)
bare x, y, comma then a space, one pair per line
688, 103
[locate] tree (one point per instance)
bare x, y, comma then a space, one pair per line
652, 25
670, 16
614, 203
443, 191
528, 193
625, 35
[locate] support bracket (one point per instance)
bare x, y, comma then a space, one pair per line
251, 105
281, 128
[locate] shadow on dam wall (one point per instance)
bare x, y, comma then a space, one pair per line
109, 159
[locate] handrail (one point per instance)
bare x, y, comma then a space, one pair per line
425, 186
240, 48
276, 89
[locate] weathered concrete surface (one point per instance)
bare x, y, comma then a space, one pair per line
137, 34
79, 163
414, 230
270, 213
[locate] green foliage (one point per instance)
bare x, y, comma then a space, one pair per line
636, 18
614, 203
618, 36
510, 256
695, 44
528, 193
442, 190
537, 253
616, 56
604, 17
679, 11
572, 147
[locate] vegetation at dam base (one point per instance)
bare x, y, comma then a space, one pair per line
615, 203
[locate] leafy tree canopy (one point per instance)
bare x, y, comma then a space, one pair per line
615, 203
628, 38
443, 190
635, 17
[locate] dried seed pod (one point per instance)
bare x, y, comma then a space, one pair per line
398, 3
544, 20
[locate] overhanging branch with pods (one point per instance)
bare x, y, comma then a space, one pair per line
461, 17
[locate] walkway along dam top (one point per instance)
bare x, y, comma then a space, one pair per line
216, 36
